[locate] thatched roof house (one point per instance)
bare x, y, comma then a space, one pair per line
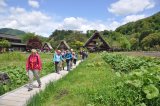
47, 47
63, 45
96, 43
15, 41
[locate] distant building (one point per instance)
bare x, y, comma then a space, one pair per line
63, 45
46, 47
96, 43
16, 42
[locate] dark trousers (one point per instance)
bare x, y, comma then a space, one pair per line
68, 64
74, 61
57, 67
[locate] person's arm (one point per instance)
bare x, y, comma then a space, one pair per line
27, 64
39, 63
54, 57
71, 55
61, 58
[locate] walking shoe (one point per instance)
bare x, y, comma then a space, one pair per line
29, 89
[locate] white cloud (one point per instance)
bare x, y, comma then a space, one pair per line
124, 7
3, 5
133, 18
33, 3
33, 21
81, 24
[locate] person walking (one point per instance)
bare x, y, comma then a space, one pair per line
63, 56
33, 67
75, 57
57, 58
68, 57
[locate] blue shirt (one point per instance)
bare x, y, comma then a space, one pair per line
57, 58
68, 56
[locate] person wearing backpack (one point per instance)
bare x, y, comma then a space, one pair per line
33, 67
68, 57
57, 59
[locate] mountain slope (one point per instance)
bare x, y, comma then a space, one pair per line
151, 23
12, 31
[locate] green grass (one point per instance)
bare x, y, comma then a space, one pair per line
89, 84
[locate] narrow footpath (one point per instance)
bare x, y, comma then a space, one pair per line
20, 96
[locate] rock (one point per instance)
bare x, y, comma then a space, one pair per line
4, 78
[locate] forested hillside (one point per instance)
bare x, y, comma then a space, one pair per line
150, 24
11, 31
143, 34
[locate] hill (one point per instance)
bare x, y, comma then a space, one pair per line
12, 31
151, 24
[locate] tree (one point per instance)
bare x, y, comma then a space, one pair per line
27, 36
150, 41
125, 44
34, 43
3, 45
134, 43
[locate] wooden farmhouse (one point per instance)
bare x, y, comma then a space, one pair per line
46, 47
15, 42
96, 43
63, 45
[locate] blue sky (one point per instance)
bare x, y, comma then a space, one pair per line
44, 16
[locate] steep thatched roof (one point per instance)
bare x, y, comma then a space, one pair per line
48, 44
93, 39
63, 45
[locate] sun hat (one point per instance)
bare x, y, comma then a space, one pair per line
34, 51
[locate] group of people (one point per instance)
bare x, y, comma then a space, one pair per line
34, 64
62, 56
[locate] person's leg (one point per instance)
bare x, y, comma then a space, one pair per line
58, 67
68, 64
56, 63
36, 74
30, 75
75, 61
63, 65
71, 62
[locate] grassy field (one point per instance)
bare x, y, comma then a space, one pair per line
13, 63
105, 80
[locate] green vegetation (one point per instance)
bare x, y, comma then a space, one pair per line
143, 34
141, 79
14, 65
100, 81
3, 45
11, 31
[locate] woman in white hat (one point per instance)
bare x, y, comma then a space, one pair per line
33, 67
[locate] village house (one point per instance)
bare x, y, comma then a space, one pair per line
15, 42
63, 45
47, 47
96, 43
